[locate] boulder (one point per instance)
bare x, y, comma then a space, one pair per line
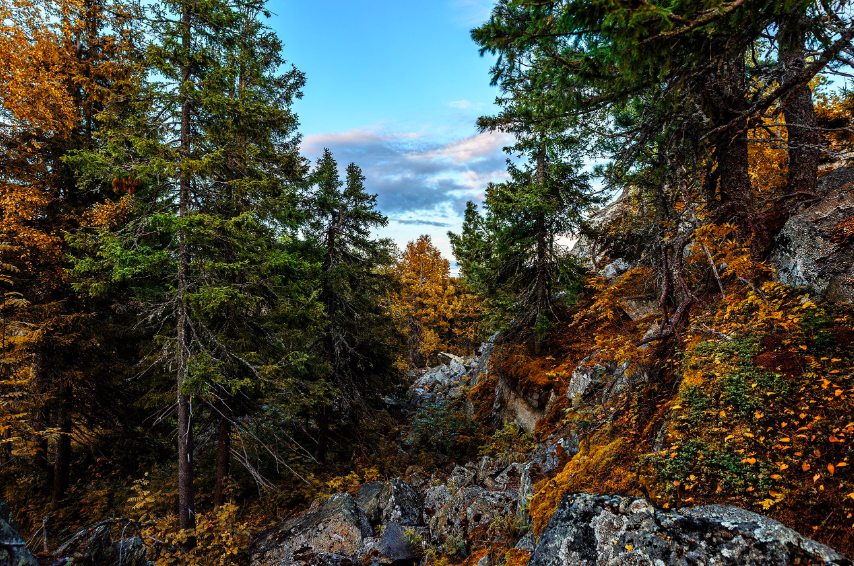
94, 546
393, 547
814, 249
12, 550
400, 503
593, 530
329, 533
590, 376
435, 498
469, 509
368, 499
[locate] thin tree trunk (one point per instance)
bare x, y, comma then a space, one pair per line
322, 433
541, 290
186, 499
798, 110
62, 461
39, 415
223, 457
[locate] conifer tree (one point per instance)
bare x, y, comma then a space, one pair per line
209, 157
355, 351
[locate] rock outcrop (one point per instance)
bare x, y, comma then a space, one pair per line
12, 549
336, 527
591, 530
815, 248
95, 546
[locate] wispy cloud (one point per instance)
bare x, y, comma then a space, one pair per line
471, 13
466, 104
414, 174
423, 223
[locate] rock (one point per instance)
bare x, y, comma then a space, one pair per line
398, 502
12, 551
368, 498
811, 250
463, 476
591, 530
391, 548
333, 531
94, 546
469, 509
527, 542
590, 376
435, 498
481, 363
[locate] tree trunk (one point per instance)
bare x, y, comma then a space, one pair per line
223, 457
735, 191
40, 415
541, 290
186, 499
62, 461
798, 110
322, 433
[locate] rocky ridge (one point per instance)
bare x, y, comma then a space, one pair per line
399, 521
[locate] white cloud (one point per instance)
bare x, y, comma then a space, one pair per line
471, 12
465, 104
422, 183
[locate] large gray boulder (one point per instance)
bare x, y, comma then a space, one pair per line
95, 546
811, 250
594, 530
12, 551
333, 531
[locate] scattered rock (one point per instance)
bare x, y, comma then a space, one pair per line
94, 546
391, 548
591, 530
813, 249
337, 527
591, 376
12, 551
398, 502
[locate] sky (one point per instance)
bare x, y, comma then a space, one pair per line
396, 86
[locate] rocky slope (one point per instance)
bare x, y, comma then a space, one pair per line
485, 503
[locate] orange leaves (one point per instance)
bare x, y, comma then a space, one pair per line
434, 310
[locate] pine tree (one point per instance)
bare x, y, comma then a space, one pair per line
356, 360
208, 153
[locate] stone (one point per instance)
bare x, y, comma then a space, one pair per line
594, 530
12, 551
368, 499
435, 498
399, 502
334, 529
393, 547
471, 508
810, 251
94, 546
590, 376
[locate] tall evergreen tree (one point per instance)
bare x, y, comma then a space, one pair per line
354, 348
210, 155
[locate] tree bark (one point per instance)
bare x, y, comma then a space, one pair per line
542, 295
798, 109
62, 461
322, 433
186, 498
223, 457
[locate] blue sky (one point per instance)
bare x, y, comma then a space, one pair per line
396, 86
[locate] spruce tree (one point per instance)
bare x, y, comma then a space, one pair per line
208, 155
355, 348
